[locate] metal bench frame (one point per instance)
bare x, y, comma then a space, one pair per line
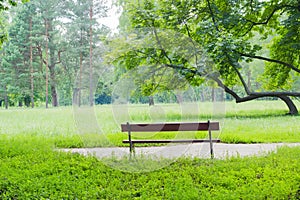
165, 127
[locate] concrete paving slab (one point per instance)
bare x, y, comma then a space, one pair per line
201, 150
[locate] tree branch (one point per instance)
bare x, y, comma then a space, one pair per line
59, 57
212, 16
271, 60
266, 21
227, 89
256, 95
160, 45
250, 96
233, 64
41, 55
190, 37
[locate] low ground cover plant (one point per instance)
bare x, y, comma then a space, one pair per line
33, 170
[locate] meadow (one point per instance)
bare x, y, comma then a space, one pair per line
32, 168
252, 122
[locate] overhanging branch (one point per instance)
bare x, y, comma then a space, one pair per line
236, 67
271, 60
250, 96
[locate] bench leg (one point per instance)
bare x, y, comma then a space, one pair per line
131, 144
131, 147
210, 142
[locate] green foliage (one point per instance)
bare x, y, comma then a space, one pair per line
6, 5
229, 32
68, 48
31, 169
276, 76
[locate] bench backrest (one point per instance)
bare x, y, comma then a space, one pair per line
196, 126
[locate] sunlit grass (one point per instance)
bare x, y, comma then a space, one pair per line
250, 122
31, 167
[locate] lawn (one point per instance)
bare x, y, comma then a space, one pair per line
32, 168
253, 122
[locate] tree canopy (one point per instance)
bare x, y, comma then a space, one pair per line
235, 34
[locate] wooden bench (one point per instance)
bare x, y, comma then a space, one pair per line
165, 127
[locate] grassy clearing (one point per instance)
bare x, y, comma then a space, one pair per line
251, 122
29, 169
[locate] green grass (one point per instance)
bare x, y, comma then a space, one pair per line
32, 168
251, 122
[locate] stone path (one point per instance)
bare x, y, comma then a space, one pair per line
201, 150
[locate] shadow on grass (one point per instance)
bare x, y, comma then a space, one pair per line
258, 115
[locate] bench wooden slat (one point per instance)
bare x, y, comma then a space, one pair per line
161, 127
214, 126
171, 141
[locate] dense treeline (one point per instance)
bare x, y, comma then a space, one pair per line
53, 53
57, 51
49, 45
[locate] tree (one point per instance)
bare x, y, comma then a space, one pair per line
91, 13
95, 9
7, 4
31, 64
4, 6
78, 41
223, 30
50, 47
16, 57
49, 41
83, 36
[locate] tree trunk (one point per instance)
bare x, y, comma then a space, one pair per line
53, 86
292, 107
179, 98
5, 97
213, 94
47, 63
287, 100
76, 96
202, 97
80, 79
151, 101
6, 102
52, 65
54, 96
31, 66
91, 55
256, 95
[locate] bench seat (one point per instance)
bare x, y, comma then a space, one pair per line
171, 141
173, 127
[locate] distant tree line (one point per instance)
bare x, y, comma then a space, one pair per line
48, 45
